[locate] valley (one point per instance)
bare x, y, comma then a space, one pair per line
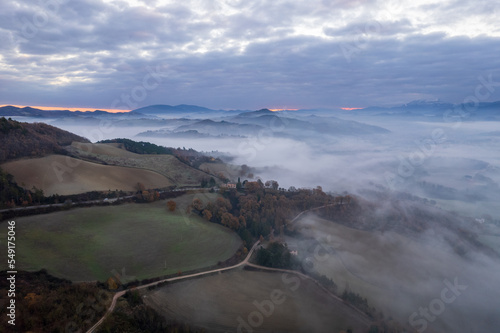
374, 250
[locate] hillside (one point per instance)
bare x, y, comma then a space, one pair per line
224, 302
64, 175
32, 140
147, 240
59, 162
177, 172
45, 303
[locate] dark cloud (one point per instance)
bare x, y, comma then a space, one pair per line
232, 54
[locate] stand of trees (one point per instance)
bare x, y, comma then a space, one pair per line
276, 255
12, 195
52, 304
259, 210
32, 140
135, 316
208, 183
140, 147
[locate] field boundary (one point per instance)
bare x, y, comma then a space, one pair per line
366, 320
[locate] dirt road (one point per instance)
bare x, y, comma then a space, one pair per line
363, 319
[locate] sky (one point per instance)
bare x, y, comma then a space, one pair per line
239, 54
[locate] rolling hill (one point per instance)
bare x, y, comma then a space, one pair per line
32, 140
64, 175
169, 166
59, 162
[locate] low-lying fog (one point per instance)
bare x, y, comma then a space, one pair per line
455, 165
420, 281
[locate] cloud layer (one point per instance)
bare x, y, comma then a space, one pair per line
241, 54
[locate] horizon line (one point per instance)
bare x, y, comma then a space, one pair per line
71, 109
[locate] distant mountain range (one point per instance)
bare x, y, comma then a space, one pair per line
198, 121
432, 110
167, 109
439, 111
14, 111
266, 122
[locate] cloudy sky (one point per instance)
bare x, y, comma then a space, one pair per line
245, 54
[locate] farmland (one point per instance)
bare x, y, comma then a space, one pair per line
169, 166
63, 175
216, 302
136, 241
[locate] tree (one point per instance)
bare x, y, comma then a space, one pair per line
197, 204
242, 221
171, 205
37, 195
272, 184
207, 214
238, 184
275, 185
252, 187
211, 182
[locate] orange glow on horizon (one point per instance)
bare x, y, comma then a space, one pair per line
350, 109
58, 108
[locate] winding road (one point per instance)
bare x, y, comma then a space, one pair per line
363, 318
177, 278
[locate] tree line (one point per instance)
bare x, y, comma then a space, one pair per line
258, 210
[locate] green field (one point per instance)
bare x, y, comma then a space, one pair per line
216, 302
135, 240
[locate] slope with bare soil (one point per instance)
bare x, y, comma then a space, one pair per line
241, 300
57, 174
167, 165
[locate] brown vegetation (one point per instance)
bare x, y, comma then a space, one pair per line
171, 205
57, 174
48, 304
32, 140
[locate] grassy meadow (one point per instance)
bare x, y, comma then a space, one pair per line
136, 241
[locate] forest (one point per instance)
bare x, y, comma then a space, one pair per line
260, 209
32, 140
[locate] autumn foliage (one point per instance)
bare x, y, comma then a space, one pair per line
171, 205
32, 140
260, 210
